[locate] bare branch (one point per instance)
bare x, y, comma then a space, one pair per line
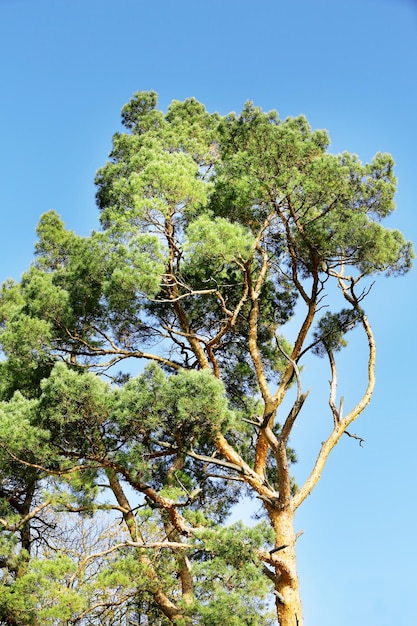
344, 423
361, 441
333, 387
298, 404
252, 477
173, 545
23, 520
43, 468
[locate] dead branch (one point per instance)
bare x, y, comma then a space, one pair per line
333, 387
301, 397
361, 441
340, 428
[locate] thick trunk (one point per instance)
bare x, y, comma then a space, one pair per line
290, 613
287, 591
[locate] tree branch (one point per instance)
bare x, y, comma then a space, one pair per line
25, 518
354, 436
344, 423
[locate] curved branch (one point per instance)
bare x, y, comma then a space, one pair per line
26, 518
343, 424
298, 404
115, 351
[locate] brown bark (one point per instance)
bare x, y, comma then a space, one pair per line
183, 565
272, 404
283, 558
250, 476
183, 562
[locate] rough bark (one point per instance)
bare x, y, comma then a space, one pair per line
287, 590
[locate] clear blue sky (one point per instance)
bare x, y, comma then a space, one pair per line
68, 66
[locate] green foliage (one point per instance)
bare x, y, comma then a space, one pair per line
139, 115
230, 576
331, 330
216, 231
218, 240
17, 425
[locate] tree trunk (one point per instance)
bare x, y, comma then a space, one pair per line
287, 591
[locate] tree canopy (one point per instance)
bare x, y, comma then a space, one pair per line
144, 366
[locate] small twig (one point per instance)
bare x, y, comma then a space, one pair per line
269, 573
278, 549
280, 597
354, 436
342, 402
257, 423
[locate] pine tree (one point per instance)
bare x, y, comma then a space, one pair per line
145, 365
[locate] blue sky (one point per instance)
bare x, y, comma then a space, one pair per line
68, 66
